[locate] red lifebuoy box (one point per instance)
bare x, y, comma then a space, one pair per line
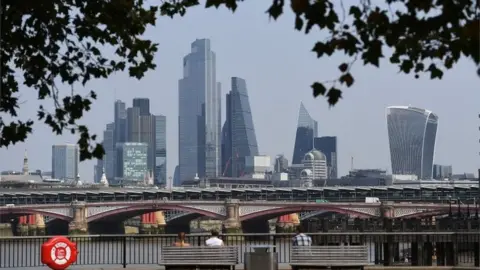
58, 253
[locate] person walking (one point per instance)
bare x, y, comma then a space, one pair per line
301, 239
214, 240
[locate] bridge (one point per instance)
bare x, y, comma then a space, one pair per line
231, 212
441, 192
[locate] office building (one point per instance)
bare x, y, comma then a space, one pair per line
143, 104
256, 167
65, 158
140, 128
98, 170
328, 146
411, 134
315, 165
442, 172
238, 133
160, 176
199, 120
176, 177
132, 162
109, 147
281, 164
120, 129
307, 130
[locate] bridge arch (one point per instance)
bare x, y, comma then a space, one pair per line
426, 214
137, 210
298, 209
27, 211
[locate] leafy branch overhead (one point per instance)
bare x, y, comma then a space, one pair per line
45, 43
423, 36
60, 41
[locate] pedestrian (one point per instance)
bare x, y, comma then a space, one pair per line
301, 239
214, 240
181, 241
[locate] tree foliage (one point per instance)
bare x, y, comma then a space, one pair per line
418, 36
61, 41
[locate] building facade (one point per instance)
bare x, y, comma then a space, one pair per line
281, 164
412, 134
141, 128
441, 172
328, 146
160, 176
132, 160
120, 129
239, 140
65, 158
307, 130
143, 104
199, 120
109, 147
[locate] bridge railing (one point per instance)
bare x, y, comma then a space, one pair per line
403, 249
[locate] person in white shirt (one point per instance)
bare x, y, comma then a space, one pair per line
214, 241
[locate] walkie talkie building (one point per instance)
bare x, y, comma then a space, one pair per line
412, 134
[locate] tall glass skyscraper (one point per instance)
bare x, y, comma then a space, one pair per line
199, 120
238, 134
307, 130
328, 146
120, 129
412, 134
109, 147
65, 159
140, 128
160, 176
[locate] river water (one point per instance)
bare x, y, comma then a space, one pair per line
21, 254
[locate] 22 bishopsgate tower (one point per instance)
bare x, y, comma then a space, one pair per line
199, 120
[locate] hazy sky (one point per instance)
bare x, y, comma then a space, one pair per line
279, 68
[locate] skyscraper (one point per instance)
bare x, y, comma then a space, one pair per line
109, 147
98, 170
328, 146
307, 130
120, 130
238, 134
140, 128
65, 159
199, 120
132, 160
411, 134
160, 176
143, 104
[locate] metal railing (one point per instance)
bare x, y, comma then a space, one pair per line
123, 250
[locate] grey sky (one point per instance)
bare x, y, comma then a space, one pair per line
278, 66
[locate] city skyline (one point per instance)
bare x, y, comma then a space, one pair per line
278, 81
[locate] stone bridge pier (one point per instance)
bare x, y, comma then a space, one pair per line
79, 224
232, 223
